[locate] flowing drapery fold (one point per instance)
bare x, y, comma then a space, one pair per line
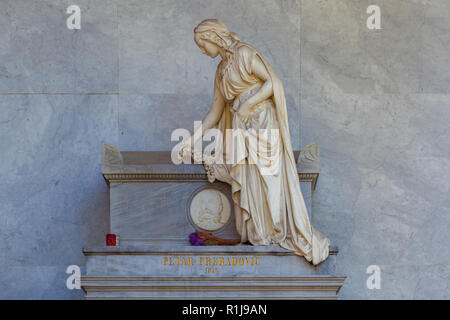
269, 208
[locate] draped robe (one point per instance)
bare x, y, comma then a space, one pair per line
269, 204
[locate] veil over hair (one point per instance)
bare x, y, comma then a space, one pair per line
215, 31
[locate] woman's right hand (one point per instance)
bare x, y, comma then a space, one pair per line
185, 152
244, 111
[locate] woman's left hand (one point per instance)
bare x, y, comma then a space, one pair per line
244, 111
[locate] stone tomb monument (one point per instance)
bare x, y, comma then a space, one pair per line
155, 205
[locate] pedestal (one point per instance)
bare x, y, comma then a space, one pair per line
207, 272
149, 200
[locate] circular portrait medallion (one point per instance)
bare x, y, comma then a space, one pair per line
210, 209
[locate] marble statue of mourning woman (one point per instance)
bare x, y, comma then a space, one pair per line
249, 97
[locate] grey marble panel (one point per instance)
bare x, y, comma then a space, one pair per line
147, 121
307, 196
53, 199
384, 180
342, 54
38, 53
417, 282
437, 8
158, 54
435, 77
36, 283
399, 281
157, 42
383, 156
157, 212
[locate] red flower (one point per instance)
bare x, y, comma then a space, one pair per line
111, 239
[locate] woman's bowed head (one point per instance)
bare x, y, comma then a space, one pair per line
213, 38
249, 97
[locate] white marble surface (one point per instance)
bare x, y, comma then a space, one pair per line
377, 103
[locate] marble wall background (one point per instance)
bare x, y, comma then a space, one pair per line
378, 102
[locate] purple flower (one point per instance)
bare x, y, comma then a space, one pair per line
195, 239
